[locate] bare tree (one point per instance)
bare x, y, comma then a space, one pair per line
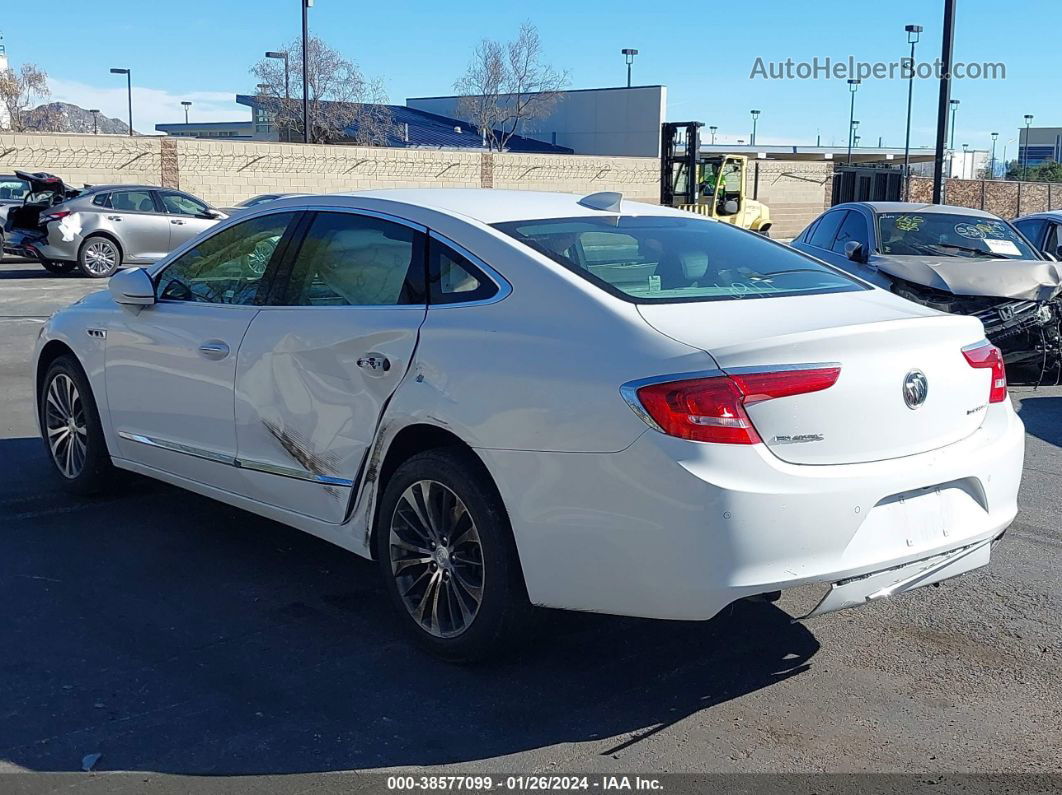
19, 91
507, 86
343, 103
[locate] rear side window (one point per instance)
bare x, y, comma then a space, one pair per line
357, 260
102, 200
453, 279
674, 259
826, 229
227, 267
12, 188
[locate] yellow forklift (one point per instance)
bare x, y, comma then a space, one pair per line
717, 188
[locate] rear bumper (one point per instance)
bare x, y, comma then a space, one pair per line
34, 244
676, 529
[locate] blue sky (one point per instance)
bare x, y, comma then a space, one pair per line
202, 51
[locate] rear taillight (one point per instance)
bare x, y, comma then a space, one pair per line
56, 216
712, 409
986, 356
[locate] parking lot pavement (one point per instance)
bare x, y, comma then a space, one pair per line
173, 634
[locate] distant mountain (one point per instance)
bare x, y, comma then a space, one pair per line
64, 117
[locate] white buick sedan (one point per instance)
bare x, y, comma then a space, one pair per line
511, 399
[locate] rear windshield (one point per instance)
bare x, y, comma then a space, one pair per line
671, 259
950, 235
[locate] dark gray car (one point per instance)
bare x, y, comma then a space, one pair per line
954, 259
101, 228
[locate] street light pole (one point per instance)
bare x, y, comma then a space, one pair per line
1025, 150
995, 137
187, 105
913, 32
129, 90
947, 45
755, 116
954, 105
712, 130
853, 86
965, 153
306, 70
283, 55
95, 120
629, 54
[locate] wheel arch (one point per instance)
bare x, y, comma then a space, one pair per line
51, 351
103, 233
412, 439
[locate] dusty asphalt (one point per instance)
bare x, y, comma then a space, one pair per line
173, 634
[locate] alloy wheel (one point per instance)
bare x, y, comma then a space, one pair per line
436, 558
64, 422
101, 257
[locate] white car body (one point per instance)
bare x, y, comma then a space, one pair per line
608, 513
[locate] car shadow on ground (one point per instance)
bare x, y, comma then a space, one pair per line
174, 634
1042, 417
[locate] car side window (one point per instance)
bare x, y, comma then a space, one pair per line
1033, 229
1054, 239
826, 229
102, 200
453, 279
137, 201
805, 236
346, 259
227, 267
182, 204
854, 227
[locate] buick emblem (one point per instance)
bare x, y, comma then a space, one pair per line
915, 389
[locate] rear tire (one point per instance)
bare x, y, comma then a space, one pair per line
446, 552
99, 257
70, 425
58, 267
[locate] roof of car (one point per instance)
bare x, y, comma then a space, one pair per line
490, 206
96, 188
913, 207
1053, 215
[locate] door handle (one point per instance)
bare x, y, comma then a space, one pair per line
175, 221
114, 218
375, 362
215, 349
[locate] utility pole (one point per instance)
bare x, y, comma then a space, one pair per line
995, 137
187, 105
1025, 151
95, 120
629, 54
755, 116
306, 70
913, 32
853, 86
943, 101
129, 91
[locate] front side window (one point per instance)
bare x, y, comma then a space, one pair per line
357, 260
452, 279
672, 259
136, 201
182, 204
227, 267
935, 234
826, 229
854, 227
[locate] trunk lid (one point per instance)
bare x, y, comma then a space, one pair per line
878, 340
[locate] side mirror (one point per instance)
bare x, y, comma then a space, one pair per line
1058, 253
132, 287
730, 207
212, 214
854, 250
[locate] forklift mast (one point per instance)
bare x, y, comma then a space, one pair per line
679, 170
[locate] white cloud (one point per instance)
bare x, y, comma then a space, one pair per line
151, 106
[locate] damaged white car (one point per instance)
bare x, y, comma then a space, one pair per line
955, 259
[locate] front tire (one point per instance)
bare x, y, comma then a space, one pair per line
446, 552
99, 257
58, 267
70, 425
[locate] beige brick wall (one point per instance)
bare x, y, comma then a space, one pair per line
226, 172
796, 191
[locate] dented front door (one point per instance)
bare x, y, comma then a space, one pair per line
315, 372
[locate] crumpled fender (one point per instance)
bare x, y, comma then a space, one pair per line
1030, 280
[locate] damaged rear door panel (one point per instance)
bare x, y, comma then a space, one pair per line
318, 366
